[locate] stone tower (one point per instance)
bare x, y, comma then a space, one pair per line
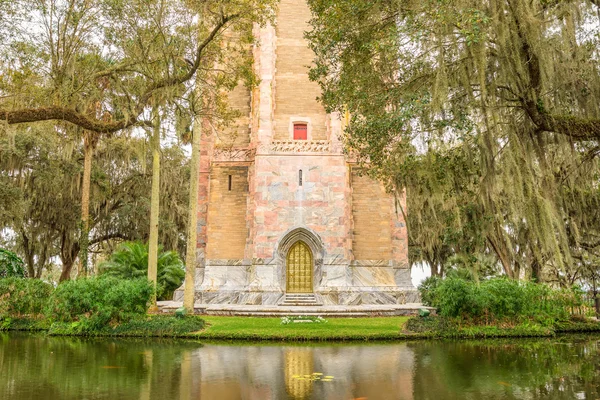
282, 210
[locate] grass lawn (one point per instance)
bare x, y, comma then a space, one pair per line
249, 328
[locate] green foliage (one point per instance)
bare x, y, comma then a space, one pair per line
43, 167
141, 326
26, 324
11, 265
479, 113
130, 261
427, 289
160, 325
91, 304
23, 297
501, 300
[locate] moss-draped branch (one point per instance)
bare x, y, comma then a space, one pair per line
91, 123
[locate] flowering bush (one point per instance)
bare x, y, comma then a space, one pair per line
302, 318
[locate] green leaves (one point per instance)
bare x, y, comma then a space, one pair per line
100, 65
500, 300
471, 108
11, 265
130, 261
94, 303
23, 297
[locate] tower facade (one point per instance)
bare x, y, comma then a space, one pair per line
282, 210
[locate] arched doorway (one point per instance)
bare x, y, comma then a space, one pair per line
299, 268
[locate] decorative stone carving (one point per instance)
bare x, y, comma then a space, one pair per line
300, 146
233, 154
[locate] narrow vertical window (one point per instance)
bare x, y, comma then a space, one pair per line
300, 178
229, 183
300, 131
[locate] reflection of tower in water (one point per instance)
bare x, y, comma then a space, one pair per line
298, 371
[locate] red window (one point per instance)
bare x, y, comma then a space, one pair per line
300, 131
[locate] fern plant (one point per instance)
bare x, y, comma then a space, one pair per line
130, 261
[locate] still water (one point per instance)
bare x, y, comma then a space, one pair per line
40, 367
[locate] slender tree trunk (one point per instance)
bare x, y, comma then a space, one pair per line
190, 256
596, 297
88, 152
154, 207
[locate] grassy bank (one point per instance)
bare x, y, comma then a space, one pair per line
272, 329
249, 328
148, 326
371, 329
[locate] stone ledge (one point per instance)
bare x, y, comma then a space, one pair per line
279, 311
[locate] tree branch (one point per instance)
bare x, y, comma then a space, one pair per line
108, 236
28, 115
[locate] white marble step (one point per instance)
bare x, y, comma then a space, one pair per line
300, 299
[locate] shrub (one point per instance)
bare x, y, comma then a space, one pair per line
23, 297
502, 299
141, 326
456, 297
94, 303
160, 325
130, 261
11, 265
427, 290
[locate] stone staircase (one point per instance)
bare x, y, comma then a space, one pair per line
300, 299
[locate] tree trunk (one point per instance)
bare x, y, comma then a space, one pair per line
88, 151
536, 270
190, 256
68, 254
499, 247
43, 258
65, 275
154, 206
29, 255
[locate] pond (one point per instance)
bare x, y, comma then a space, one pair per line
41, 367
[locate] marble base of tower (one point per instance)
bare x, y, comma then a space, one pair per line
355, 283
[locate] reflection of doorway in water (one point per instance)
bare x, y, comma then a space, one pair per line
298, 371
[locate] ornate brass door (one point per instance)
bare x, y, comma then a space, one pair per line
300, 269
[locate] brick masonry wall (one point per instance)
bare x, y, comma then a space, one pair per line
238, 132
295, 94
372, 236
227, 229
353, 215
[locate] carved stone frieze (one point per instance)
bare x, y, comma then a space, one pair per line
233, 154
300, 146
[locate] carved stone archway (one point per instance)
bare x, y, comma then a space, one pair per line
313, 241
